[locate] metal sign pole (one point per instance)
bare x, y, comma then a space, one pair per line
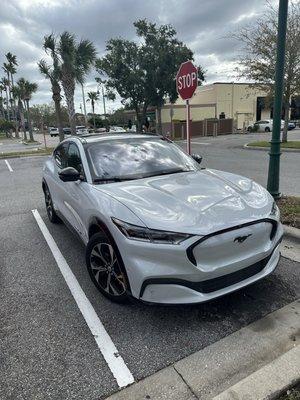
188, 138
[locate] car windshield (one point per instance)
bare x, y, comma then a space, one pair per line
135, 158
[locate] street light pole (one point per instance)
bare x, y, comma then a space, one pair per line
274, 162
83, 100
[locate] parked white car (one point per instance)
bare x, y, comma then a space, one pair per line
53, 131
156, 225
81, 130
266, 125
117, 129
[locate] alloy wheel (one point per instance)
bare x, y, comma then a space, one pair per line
106, 269
48, 201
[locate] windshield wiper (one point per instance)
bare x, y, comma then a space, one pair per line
112, 179
168, 171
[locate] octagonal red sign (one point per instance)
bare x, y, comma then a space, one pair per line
187, 80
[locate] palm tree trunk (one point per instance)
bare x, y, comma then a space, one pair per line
29, 122
56, 98
2, 107
7, 105
84, 106
15, 108
9, 91
69, 94
93, 108
22, 119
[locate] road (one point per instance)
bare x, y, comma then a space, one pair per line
46, 348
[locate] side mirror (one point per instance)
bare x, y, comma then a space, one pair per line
197, 158
69, 174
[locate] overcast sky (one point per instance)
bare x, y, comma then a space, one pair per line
201, 24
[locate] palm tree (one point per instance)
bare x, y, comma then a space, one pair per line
6, 69
2, 89
4, 82
92, 97
53, 74
29, 89
12, 63
19, 94
76, 59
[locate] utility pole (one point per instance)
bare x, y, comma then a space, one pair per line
103, 97
274, 162
83, 100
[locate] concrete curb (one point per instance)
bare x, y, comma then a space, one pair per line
247, 147
268, 382
229, 363
291, 232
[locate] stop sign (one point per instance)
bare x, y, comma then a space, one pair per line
187, 80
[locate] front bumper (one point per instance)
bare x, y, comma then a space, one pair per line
166, 274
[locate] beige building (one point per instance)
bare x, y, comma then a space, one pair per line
238, 101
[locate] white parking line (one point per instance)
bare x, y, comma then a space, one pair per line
8, 166
109, 351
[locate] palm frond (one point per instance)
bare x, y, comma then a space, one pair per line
49, 43
44, 68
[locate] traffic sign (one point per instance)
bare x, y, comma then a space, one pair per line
187, 80
186, 84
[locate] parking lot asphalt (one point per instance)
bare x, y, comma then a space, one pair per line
46, 348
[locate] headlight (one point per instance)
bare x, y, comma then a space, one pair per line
275, 212
144, 234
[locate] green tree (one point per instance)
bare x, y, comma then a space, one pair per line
162, 54
76, 60
53, 73
143, 72
93, 97
258, 54
47, 113
123, 74
97, 121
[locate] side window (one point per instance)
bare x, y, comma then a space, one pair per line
60, 155
74, 159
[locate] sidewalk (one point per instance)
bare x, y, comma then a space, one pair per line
266, 353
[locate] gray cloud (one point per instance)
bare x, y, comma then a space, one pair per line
201, 24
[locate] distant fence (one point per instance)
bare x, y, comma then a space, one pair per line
207, 127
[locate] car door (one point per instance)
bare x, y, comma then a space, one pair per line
74, 193
54, 182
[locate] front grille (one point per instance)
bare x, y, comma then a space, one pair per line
212, 285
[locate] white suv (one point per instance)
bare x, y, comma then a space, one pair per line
266, 125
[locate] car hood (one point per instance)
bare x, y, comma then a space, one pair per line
196, 202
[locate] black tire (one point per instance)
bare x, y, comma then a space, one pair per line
267, 129
53, 217
106, 268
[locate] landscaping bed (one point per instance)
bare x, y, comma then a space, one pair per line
291, 394
290, 210
37, 152
292, 144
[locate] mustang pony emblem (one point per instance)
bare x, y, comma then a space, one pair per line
241, 239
